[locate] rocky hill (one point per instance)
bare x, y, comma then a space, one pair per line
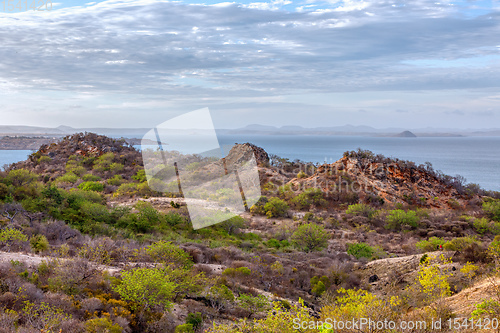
51, 159
393, 180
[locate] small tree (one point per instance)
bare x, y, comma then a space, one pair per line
20, 177
360, 250
276, 207
233, 224
310, 237
11, 235
168, 253
39, 243
253, 304
148, 288
220, 296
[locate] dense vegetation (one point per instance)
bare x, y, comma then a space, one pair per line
115, 256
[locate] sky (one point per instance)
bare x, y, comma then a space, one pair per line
121, 63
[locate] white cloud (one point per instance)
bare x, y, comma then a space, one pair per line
142, 48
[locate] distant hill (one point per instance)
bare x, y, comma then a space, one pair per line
405, 134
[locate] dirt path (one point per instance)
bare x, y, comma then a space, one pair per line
463, 303
162, 202
33, 260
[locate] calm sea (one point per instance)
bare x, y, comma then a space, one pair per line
12, 156
475, 158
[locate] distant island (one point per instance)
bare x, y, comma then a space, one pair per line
405, 134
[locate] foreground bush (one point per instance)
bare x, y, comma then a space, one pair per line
149, 288
278, 319
357, 304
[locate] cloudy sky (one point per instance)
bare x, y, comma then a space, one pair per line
382, 63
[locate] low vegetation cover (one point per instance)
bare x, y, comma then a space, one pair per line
108, 254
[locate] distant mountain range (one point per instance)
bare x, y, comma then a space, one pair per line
361, 131
260, 130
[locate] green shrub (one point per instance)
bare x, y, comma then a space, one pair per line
168, 253
319, 288
276, 207
79, 196
494, 228
100, 325
243, 271
492, 209
20, 177
361, 210
44, 159
274, 243
184, 328
76, 169
233, 225
258, 207
69, 177
91, 178
126, 189
147, 287
481, 225
459, 243
431, 244
486, 309
253, 304
95, 212
319, 285
116, 180
360, 250
4, 191
91, 186
173, 219
240, 271
116, 167
39, 243
140, 176
11, 234
103, 163
220, 295
310, 237
301, 174
398, 218
311, 196
194, 319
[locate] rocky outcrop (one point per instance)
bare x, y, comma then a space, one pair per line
390, 180
261, 156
